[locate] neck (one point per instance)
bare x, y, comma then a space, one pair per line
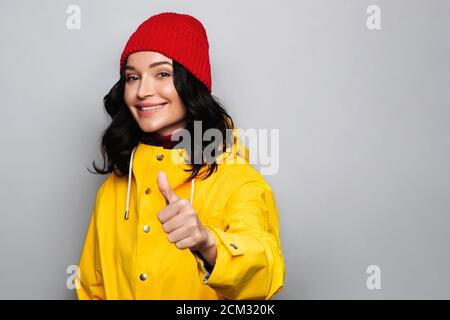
154, 138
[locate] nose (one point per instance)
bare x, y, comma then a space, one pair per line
146, 88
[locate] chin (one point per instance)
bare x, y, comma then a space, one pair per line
150, 128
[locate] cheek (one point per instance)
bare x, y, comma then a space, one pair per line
128, 95
169, 92
179, 110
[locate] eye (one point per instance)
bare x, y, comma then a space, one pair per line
164, 74
130, 78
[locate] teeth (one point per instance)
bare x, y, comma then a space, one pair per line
151, 108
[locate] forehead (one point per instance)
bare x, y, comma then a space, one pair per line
146, 58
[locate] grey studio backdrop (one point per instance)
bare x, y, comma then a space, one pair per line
363, 115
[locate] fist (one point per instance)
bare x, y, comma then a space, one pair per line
181, 223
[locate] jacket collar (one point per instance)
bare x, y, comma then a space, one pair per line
148, 158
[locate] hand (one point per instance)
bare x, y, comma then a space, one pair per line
181, 223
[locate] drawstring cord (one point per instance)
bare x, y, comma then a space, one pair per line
129, 184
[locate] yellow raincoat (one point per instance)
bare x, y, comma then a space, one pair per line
133, 259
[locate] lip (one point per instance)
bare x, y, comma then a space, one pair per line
143, 113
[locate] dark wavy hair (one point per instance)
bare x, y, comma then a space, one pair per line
123, 134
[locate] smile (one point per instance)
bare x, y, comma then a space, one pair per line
149, 110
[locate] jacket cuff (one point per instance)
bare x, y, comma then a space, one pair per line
227, 247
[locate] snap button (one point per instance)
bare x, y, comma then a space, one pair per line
159, 156
143, 277
148, 191
233, 246
146, 229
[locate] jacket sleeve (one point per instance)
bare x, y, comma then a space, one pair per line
249, 262
89, 280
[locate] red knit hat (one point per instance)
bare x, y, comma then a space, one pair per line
180, 37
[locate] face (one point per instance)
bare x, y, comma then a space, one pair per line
150, 93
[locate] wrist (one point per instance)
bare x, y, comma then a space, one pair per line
208, 250
209, 243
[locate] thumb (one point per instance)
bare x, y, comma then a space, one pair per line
165, 188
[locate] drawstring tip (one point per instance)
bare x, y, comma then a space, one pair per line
126, 215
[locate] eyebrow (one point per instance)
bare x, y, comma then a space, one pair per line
154, 64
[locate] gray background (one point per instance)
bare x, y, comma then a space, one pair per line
363, 118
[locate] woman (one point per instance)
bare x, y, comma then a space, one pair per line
145, 239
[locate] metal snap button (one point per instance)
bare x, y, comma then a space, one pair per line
159, 156
143, 277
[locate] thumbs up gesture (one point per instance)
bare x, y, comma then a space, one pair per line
181, 223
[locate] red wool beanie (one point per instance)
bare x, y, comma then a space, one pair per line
180, 37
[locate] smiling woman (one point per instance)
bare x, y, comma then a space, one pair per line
145, 239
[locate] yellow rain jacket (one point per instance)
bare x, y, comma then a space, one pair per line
133, 259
